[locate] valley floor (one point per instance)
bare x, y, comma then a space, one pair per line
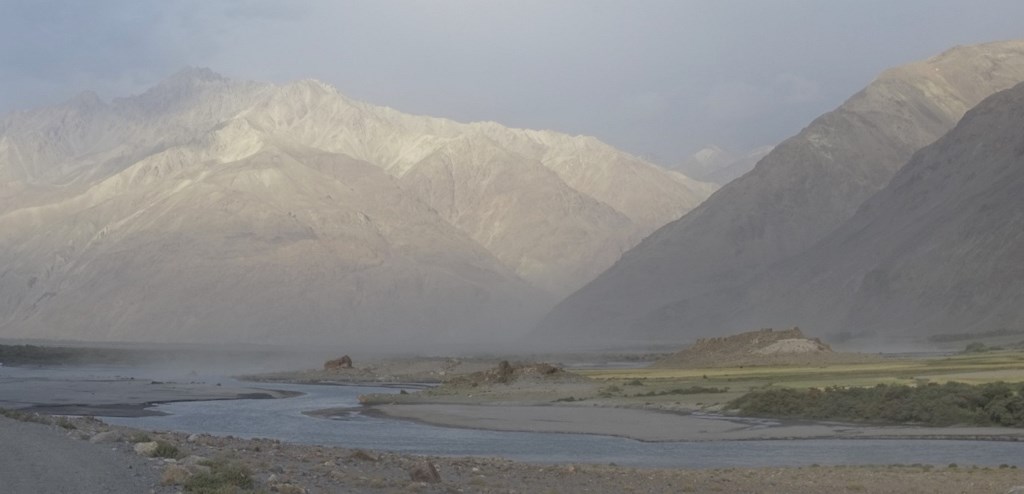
648, 404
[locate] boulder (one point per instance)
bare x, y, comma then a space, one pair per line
425, 472
147, 448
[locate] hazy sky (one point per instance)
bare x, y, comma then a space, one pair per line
656, 78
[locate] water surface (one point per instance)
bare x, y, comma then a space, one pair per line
283, 419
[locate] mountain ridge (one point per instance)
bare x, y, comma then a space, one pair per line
792, 198
234, 181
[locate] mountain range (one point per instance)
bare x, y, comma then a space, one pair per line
209, 209
708, 273
719, 166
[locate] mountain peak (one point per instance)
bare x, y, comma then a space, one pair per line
191, 74
86, 99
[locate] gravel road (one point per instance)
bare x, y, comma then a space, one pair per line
43, 459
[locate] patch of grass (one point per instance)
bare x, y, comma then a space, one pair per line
224, 477
139, 437
24, 416
975, 368
165, 449
692, 390
66, 423
952, 403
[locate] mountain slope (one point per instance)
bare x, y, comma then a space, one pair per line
207, 209
940, 250
613, 184
796, 195
716, 165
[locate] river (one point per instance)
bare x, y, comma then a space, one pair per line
284, 419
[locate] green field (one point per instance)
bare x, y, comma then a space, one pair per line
644, 385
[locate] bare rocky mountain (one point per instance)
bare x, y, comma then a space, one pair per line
211, 209
688, 278
716, 165
940, 250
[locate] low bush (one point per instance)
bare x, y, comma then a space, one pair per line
165, 449
933, 404
692, 390
224, 477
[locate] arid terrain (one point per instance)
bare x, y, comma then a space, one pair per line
622, 395
268, 465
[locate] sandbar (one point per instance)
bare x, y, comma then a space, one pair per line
653, 425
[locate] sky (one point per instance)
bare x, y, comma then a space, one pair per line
659, 79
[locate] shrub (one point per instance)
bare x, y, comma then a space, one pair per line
224, 477
165, 449
692, 390
139, 437
932, 404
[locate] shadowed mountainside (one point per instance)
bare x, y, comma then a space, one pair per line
688, 278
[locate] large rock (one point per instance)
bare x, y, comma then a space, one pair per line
147, 448
343, 362
425, 471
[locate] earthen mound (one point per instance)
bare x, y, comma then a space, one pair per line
506, 373
762, 347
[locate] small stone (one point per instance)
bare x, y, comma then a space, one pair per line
362, 456
425, 472
146, 448
192, 438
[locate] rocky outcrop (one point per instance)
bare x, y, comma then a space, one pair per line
343, 362
762, 347
507, 373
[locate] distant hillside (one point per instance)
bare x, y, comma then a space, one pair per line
208, 209
716, 165
762, 347
690, 277
939, 251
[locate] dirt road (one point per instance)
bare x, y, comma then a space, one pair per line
42, 459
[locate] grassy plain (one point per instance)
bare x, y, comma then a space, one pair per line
655, 386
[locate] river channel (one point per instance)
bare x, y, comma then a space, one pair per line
284, 419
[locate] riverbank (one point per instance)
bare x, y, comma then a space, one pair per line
658, 426
110, 393
274, 466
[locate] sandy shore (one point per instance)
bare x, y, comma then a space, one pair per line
61, 392
274, 466
651, 425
